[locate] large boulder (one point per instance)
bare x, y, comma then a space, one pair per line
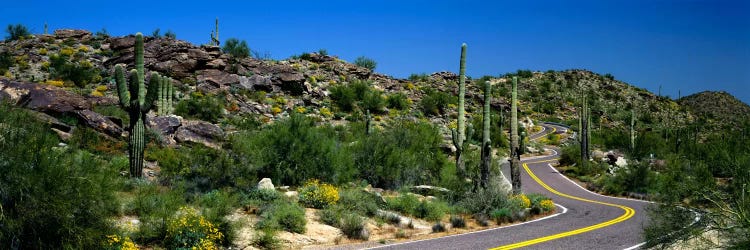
122, 42
44, 98
71, 33
99, 123
266, 183
217, 78
201, 132
166, 126
257, 82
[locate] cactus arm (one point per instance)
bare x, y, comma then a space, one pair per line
153, 88
133, 88
139, 68
122, 87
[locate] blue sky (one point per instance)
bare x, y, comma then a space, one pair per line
681, 45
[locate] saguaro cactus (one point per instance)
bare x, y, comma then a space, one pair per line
515, 149
215, 34
45, 28
460, 135
486, 148
165, 95
585, 136
368, 123
137, 101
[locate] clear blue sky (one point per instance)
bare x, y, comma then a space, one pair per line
681, 45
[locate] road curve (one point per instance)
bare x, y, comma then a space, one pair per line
592, 221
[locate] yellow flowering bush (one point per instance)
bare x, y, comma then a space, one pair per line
43, 51
83, 48
326, 112
547, 205
66, 51
115, 242
56, 83
300, 110
410, 86
97, 93
318, 195
275, 110
101, 88
523, 200
188, 229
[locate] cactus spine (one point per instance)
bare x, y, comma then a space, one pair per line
486, 148
460, 135
215, 34
515, 149
137, 101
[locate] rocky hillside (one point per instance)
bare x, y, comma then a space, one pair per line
720, 109
69, 74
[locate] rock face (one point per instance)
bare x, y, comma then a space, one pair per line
43, 98
200, 132
166, 126
99, 123
266, 183
70, 33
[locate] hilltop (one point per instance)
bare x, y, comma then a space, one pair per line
719, 109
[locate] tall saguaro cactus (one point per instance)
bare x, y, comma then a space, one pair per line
460, 135
137, 101
486, 148
165, 95
585, 121
515, 149
215, 34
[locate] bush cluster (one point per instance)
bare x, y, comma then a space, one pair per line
282, 215
365, 62
188, 229
199, 106
358, 95
436, 102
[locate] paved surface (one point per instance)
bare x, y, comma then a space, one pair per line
591, 221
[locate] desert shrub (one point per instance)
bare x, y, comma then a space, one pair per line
365, 62
267, 239
498, 139
81, 73
501, 215
282, 215
457, 221
199, 106
404, 153
89, 139
318, 195
357, 94
438, 227
6, 61
540, 203
294, 150
170, 34
484, 201
422, 77
264, 195
522, 201
154, 207
356, 200
51, 197
435, 102
330, 216
16, 32
117, 242
236, 48
431, 210
373, 101
405, 203
398, 101
353, 226
188, 229
199, 169
344, 97
215, 206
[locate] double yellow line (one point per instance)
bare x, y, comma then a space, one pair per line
629, 212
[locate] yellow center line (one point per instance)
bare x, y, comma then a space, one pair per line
629, 212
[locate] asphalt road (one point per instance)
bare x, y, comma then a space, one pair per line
587, 221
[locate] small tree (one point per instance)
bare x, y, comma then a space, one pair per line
365, 62
236, 48
170, 34
16, 32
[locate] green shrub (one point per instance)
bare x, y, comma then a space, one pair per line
283, 215
16, 32
330, 216
356, 200
457, 221
266, 239
438, 227
6, 61
154, 207
199, 169
404, 153
405, 203
357, 94
264, 195
51, 197
484, 201
188, 229
294, 150
81, 73
373, 101
204, 107
436, 102
398, 101
365, 62
235, 48
431, 210
353, 226
215, 206
501, 215
422, 77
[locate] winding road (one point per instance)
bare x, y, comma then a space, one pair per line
584, 220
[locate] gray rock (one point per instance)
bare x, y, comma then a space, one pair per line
265, 183
43, 98
201, 132
100, 123
122, 42
71, 33
217, 78
199, 54
256, 82
216, 64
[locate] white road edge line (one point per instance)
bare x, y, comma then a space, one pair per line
597, 194
565, 210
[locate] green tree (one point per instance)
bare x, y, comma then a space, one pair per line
236, 48
16, 32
